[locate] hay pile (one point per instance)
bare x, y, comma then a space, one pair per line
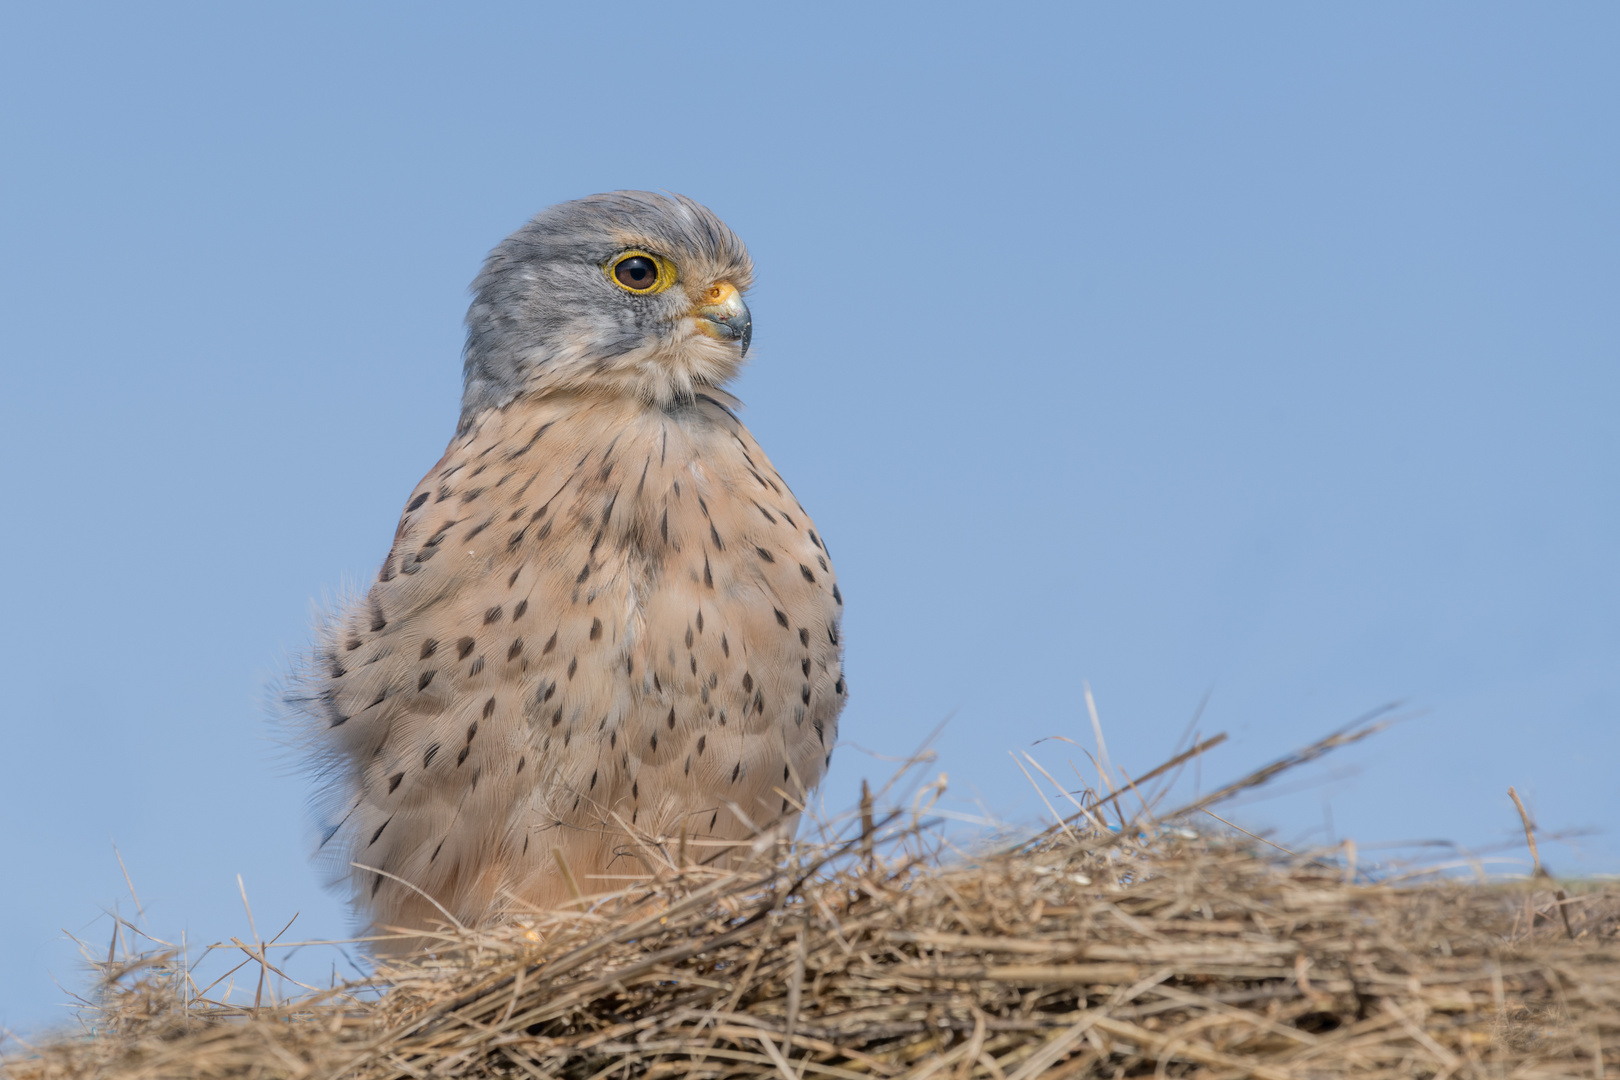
1087, 951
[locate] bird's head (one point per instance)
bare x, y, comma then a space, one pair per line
628, 293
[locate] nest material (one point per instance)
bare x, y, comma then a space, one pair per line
1099, 954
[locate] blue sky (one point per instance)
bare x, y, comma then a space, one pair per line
1267, 352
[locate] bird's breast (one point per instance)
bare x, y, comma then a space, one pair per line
595, 617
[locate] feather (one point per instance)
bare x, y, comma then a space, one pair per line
598, 618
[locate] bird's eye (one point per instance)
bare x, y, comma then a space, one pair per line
640, 272
637, 272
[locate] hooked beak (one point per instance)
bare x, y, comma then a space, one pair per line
723, 315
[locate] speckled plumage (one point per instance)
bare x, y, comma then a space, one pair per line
604, 612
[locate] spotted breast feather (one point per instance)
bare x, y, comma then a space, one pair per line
600, 620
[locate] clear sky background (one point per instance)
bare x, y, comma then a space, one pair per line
1263, 351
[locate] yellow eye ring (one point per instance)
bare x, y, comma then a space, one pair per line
640, 272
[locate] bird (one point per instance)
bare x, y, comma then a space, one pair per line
606, 628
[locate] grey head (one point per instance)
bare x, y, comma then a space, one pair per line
627, 293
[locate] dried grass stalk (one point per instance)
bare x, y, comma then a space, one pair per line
1148, 951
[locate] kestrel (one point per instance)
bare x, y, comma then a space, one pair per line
604, 617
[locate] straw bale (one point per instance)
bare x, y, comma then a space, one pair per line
1138, 952
1145, 948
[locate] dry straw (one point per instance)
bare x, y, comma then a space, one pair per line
1106, 946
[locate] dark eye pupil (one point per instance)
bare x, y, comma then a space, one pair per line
636, 272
